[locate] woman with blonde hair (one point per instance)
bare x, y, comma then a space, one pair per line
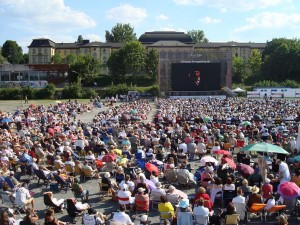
207, 200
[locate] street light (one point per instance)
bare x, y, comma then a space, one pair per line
79, 78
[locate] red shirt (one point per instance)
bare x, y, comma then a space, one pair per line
207, 201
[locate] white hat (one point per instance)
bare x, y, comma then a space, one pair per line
144, 218
172, 166
158, 185
141, 190
124, 187
150, 150
267, 180
67, 143
107, 175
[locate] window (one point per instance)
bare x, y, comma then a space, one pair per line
104, 59
46, 59
95, 55
40, 59
104, 51
33, 59
85, 51
45, 51
40, 50
33, 51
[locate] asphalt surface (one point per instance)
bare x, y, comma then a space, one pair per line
96, 199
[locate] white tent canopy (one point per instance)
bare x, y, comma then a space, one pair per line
238, 90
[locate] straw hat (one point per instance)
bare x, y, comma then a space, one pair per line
254, 189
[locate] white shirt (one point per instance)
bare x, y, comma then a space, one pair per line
125, 195
201, 147
230, 187
239, 199
201, 211
122, 218
22, 195
183, 146
91, 219
285, 172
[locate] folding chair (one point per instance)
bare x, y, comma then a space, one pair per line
173, 199
155, 198
256, 208
7, 202
61, 182
275, 209
165, 216
69, 168
88, 174
232, 219
41, 176
49, 204
72, 210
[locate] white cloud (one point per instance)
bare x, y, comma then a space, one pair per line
271, 20
161, 17
93, 37
126, 13
226, 5
209, 20
42, 16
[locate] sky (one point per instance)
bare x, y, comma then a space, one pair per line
221, 20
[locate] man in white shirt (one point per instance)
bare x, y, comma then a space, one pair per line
183, 146
121, 218
23, 197
284, 172
200, 210
239, 198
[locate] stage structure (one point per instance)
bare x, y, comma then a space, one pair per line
186, 73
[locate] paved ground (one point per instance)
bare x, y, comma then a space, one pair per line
104, 204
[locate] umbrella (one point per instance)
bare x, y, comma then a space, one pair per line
152, 168
230, 162
58, 101
150, 184
113, 156
6, 120
264, 147
107, 158
238, 90
288, 190
245, 170
31, 119
221, 152
207, 119
297, 158
31, 105
207, 159
246, 123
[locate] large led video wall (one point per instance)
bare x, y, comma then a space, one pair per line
196, 76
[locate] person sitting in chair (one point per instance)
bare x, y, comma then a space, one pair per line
94, 216
23, 197
59, 202
78, 189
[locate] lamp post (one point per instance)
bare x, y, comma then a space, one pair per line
79, 78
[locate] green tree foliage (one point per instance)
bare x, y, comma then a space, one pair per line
85, 68
272, 83
12, 52
79, 39
2, 59
57, 59
121, 33
71, 58
197, 36
25, 58
255, 63
152, 64
238, 69
135, 55
281, 59
130, 59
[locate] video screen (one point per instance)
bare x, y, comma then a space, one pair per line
196, 76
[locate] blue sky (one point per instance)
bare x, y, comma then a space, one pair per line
221, 20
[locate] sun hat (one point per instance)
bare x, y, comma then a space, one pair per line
144, 218
158, 185
184, 203
267, 180
141, 190
107, 175
254, 189
124, 187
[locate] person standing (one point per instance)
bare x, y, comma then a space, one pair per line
284, 172
121, 217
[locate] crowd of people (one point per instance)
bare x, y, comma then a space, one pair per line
139, 161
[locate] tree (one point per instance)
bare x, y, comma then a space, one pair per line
25, 58
121, 33
197, 36
86, 68
57, 59
79, 39
152, 64
238, 69
281, 59
254, 67
2, 59
130, 59
71, 58
12, 52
